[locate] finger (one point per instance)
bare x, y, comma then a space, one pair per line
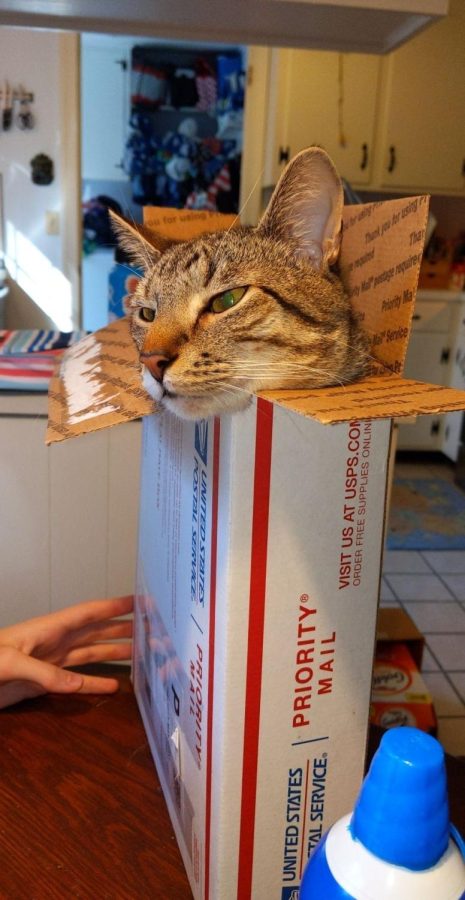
30, 633
113, 630
92, 684
91, 611
16, 666
80, 656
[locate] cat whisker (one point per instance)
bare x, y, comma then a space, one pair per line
130, 269
370, 357
277, 371
280, 362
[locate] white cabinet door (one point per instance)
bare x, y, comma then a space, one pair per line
68, 529
329, 99
453, 421
78, 519
124, 447
104, 111
24, 519
94, 491
423, 363
422, 142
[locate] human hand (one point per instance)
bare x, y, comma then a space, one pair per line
33, 653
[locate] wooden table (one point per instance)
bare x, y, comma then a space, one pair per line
81, 809
82, 813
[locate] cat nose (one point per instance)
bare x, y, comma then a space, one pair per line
156, 363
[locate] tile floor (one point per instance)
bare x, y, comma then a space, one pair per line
430, 587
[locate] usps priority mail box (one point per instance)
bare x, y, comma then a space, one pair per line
259, 560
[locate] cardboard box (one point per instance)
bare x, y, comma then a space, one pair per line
395, 626
399, 695
259, 564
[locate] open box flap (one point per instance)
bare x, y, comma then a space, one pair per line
186, 224
98, 383
376, 397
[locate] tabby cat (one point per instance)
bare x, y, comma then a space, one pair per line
231, 313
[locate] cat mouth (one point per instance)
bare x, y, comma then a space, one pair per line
170, 394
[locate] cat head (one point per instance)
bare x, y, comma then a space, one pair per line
231, 313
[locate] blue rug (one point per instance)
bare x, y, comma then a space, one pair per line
426, 514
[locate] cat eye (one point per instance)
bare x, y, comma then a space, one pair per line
226, 300
147, 314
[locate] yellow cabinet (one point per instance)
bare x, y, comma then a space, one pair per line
421, 117
390, 123
324, 98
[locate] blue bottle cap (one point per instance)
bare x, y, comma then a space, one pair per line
402, 813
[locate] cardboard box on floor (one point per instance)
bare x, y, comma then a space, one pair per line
399, 694
259, 562
395, 626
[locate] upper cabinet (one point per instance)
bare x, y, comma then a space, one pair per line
390, 123
365, 26
422, 138
328, 99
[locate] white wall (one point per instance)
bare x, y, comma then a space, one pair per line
34, 258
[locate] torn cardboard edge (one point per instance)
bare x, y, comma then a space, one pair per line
99, 385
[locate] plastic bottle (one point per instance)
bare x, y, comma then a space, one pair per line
398, 843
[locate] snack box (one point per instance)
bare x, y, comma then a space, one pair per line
260, 545
399, 694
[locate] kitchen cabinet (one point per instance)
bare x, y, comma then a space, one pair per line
68, 530
400, 115
24, 540
436, 354
365, 26
453, 421
330, 99
421, 136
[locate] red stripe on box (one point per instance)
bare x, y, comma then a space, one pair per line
211, 649
261, 502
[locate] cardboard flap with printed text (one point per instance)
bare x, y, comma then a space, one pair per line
99, 382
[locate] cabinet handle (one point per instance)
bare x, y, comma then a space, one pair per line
364, 161
392, 159
463, 169
284, 153
416, 317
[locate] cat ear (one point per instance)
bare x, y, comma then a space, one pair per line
134, 240
306, 207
